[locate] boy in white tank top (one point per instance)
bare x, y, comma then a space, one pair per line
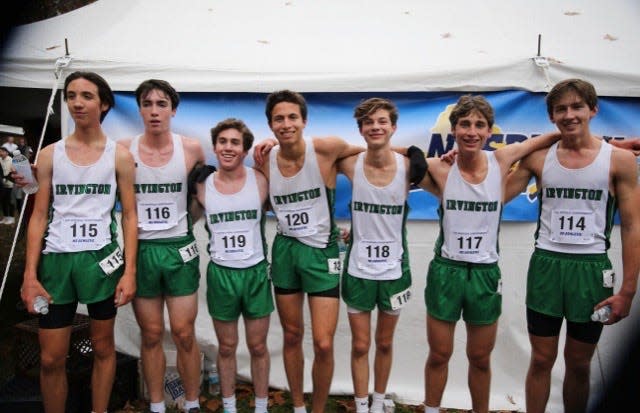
80, 260
238, 284
581, 179
464, 278
377, 272
168, 257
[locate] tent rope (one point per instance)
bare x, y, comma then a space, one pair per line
60, 65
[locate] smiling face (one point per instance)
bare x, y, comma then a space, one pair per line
377, 129
287, 123
471, 132
156, 112
83, 102
571, 114
229, 149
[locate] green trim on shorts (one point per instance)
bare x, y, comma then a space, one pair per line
297, 266
162, 271
71, 277
456, 288
566, 285
235, 291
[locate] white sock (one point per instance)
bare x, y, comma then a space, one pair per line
300, 409
362, 404
429, 409
157, 407
377, 401
261, 404
190, 404
229, 404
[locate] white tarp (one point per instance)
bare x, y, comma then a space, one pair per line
334, 45
360, 45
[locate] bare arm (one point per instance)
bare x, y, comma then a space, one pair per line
630, 144
510, 154
628, 196
435, 177
332, 148
196, 204
125, 177
261, 150
31, 287
193, 153
518, 179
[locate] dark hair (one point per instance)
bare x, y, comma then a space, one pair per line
147, 86
285, 96
104, 91
469, 103
233, 123
369, 106
581, 87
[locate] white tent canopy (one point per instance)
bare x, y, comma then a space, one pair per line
337, 46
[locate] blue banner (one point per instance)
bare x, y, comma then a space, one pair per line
423, 121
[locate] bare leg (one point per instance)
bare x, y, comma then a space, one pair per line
104, 363
575, 389
360, 324
290, 312
257, 330
182, 318
324, 319
481, 340
440, 338
54, 347
227, 334
544, 351
150, 317
385, 330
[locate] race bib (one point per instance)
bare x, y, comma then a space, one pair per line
77, 232
112, 262
153, 216
467, 243
189, 252
299, 222
378, 255
572, 227
232, 245
608, 278
399, 300
335, 265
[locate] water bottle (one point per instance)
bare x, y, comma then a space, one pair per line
22, 166
601, 314
41, 305
214, 381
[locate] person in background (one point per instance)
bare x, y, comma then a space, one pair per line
464, 278
582, 180
10, 145
24, 148
168, 258
238, 284
6, 188
73, 254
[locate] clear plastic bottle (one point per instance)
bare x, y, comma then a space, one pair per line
214, 381
601, 314
22, 166
41, 305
